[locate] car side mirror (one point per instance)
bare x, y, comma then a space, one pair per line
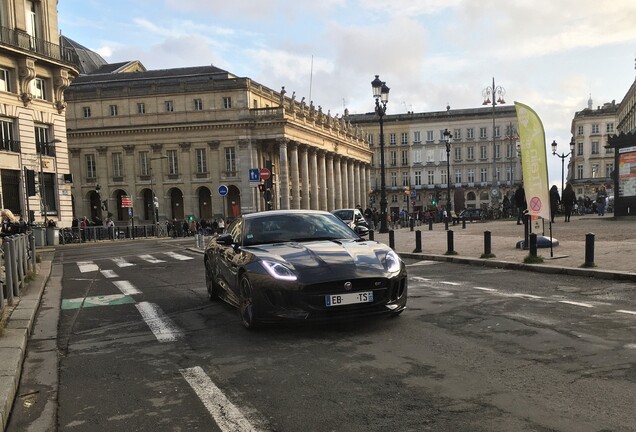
361, 230
225, 239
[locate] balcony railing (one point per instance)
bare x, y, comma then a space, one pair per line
23, 41
10, 146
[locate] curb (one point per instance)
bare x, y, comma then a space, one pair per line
13, 343
539, 268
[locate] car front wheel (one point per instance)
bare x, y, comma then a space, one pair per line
246, 307
210, 283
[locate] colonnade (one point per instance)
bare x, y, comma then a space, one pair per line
307, 177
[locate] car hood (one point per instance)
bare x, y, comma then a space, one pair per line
324, 260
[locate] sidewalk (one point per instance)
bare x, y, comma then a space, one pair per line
14, 336
614, 245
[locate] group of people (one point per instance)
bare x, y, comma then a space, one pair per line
186, 228
11, 224
569, 201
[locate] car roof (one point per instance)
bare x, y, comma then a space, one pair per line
268, 213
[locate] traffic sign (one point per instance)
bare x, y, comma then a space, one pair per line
223, 190
254, 175
126, 202
264, 173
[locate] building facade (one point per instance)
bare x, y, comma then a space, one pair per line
624, 146
196, 139
592, 161
416, 172
34, 72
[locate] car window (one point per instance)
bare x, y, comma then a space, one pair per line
344, 214
295, 227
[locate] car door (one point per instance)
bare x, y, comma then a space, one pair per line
228, 257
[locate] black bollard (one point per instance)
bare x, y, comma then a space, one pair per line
487, 243
392, 239
589, 250
451, 243
430, 224
446, 225
371, 235
411, 223
463, 223
533, 245
418, 242
526, 232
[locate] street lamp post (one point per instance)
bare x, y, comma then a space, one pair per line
497, 93
155, 200
562, 156
447, 140
381, 95
43, 148
512, 136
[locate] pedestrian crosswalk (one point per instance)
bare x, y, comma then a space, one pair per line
131, 261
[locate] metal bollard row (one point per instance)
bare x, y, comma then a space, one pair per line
18, 257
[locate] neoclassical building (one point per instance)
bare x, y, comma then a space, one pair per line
482, 141
34, 72
194, 138
592, 162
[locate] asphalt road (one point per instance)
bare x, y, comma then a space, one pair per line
140, 348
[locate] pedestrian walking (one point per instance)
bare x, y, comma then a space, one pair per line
520, 202
569, 200
555, 200
601, 201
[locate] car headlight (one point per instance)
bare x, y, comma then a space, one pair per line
278, 270
392, 262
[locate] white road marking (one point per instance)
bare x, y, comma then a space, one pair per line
162, 326
626, 311
450, 283
420, 279
87, 266
126, 287
108, 274
150, 259
178, 256
121, 262
421, 263
526, 296
227, 416
576, 303
485, 289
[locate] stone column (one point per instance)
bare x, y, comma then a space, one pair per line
364, 186
337, 190
331, 196
295, 176
352, 182
283, 175
345, 182
313, 162
356, 183
322, 178
304, 174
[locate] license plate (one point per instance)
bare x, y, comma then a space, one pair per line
349, 298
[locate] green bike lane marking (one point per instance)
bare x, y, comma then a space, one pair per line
107, 300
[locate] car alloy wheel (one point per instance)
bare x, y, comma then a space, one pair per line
211, 285
246, 305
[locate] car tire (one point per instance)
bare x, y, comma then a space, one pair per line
210, 283
246, 307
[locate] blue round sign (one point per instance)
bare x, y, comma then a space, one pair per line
223, 190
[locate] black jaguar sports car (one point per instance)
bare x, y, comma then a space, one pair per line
302, 265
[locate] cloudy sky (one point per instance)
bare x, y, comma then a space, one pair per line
549, 54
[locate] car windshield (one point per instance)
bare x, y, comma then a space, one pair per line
297, 227
344, 214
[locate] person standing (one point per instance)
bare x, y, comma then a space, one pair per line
555, 200
221, 225
601, 201
568, 199
520, 202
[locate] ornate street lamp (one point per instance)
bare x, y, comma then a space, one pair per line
155, 200
447, 140
497, 93
562, 156
381, 95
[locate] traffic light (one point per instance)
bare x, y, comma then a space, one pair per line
261, 187
30, 182
407, 190
434, 201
